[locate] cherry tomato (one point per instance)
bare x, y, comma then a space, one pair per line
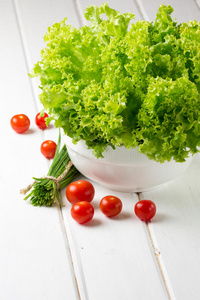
145, 210
48, 149
82, 212
20, 123
80, 190
40, 121
110, 206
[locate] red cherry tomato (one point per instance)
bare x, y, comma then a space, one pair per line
110, 206
40, 121
80, 190
48, 149
145, 210
82, 212
20, 123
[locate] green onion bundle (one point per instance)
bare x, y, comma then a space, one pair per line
45, 191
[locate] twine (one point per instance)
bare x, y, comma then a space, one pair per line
56, 180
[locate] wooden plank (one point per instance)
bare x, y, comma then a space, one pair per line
175, 231
113, 256
183, 10
34, 260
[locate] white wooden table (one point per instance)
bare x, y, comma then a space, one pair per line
44, 253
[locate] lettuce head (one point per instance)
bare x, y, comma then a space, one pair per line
123, 83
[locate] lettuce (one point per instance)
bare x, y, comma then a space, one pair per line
123, 83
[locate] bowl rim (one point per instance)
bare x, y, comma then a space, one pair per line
105, 160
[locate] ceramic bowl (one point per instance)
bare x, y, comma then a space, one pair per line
122, 169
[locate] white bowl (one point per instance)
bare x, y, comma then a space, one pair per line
122, 169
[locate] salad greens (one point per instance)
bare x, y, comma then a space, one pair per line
117, 82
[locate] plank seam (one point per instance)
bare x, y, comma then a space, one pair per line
24, 48
75, 256
26, 58
67, 247
28, 64
197, 3
157, 253
141, 10
79, 12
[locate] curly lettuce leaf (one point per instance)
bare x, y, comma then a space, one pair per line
169, 119
121, 84
190, 41
115, 25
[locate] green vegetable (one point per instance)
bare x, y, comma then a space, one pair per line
45, 191
115, 83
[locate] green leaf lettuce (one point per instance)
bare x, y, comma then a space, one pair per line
117, 82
